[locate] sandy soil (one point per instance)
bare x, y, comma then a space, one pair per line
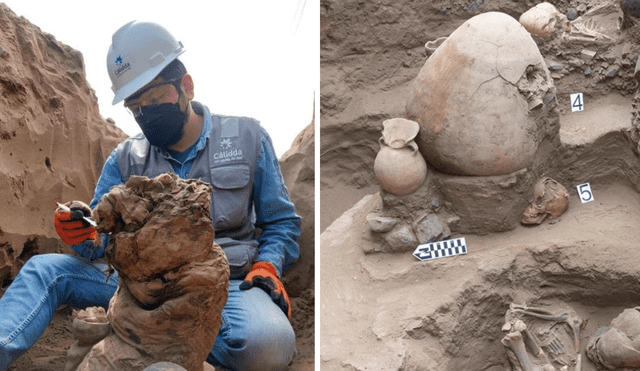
49, 353
446, 314
389, 311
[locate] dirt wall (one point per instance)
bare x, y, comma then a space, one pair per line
53, 141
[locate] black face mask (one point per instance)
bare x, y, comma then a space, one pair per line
162, 124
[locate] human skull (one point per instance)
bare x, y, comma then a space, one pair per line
549, 198
542, 20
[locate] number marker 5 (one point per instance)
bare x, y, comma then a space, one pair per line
584, 192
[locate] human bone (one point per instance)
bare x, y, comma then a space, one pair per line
474, 120
531, 342
513, 340
617, 346
542, 20
399, 167
601, 23
551, 337
550, 198
173, 277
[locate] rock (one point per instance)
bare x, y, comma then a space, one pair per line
575, 62
611, 72
475, 4
626, 49
430, 229
401, 238
572, 14
381, 224
587, 55
435, 204
587, 71
548, 98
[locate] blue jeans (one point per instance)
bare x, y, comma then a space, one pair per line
255, 334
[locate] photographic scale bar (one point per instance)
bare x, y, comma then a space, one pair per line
441, 249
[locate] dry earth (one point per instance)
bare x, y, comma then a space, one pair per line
389, 311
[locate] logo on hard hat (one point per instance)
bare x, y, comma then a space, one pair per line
122, 65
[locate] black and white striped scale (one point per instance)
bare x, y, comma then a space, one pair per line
441, 249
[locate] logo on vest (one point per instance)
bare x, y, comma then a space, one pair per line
226, 156
226, 143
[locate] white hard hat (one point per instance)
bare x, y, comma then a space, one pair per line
139, 52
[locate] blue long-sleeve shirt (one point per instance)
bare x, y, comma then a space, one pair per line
275, 213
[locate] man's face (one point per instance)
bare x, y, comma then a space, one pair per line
158, 91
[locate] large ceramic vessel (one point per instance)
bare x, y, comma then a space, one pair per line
475, 98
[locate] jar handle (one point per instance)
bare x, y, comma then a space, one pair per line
413, 147
382, 142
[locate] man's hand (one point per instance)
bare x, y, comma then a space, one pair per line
263, 275
70, 225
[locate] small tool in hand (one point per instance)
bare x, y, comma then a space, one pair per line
67, 209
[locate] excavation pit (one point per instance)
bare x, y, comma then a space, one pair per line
448, 313
469, 330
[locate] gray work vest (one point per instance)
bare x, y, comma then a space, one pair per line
228, 162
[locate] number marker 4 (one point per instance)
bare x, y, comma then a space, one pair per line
577, 102
584, 192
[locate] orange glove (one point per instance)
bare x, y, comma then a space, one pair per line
264, 276
70, 225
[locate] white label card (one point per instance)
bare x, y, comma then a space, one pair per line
584, 192
577, 102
